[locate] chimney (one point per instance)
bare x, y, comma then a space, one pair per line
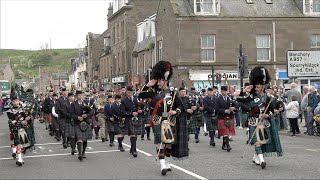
110, 9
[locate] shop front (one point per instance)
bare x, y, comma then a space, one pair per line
203, 78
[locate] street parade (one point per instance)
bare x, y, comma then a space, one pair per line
160, 89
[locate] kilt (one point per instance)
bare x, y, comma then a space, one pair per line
157, 133
55, 123
121, 130
110, 126
29, 133
211, 123
83, 135
93, 121
136, 129
180, 146
69, 130
62, 124
226, 131
191, 125
199, 119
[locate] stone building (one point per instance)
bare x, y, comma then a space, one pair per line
197, 34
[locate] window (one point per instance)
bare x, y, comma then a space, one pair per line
311, 6
263, 47
159, 50
207, 6
315, 41
153, 28
123, 61
118, 33
207, 48
153, 60
147, 28
144, 63
114, 35
122, 29
140, 32
137, 64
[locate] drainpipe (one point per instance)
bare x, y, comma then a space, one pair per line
274, 48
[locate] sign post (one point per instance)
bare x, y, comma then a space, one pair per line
303, 63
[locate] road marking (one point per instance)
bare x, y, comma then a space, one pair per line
145, 153
313, 150
46, 144
188, 172
172, 165
65, 154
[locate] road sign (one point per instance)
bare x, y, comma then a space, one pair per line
303, 63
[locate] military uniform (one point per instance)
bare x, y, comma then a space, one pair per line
101, 118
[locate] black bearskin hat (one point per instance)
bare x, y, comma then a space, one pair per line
162, 70
259, 75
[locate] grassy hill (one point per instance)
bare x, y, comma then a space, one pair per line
26, 63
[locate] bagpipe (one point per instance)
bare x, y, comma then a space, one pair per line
140, 105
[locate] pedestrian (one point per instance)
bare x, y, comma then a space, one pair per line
210, 114
292, 109
312, 104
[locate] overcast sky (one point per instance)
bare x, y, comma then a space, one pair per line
29, 24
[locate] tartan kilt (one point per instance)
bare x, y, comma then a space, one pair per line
29, 133
110, 126
69, 130
119, 130
226, 131
211, 123
93, 121
180, 131
55, 123
157, 133
62, 124
138, 128
199, 119
191, 125
83, 135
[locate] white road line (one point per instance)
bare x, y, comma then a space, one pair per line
65, 154
313, 150
172, 165
46, 144
145, 153
188, 172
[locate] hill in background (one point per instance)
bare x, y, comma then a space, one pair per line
26, 63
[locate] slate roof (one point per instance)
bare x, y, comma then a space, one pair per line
141, 46
239, 8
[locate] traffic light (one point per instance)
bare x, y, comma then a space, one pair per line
243, 66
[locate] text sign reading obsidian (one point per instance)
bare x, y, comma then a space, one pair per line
303, 63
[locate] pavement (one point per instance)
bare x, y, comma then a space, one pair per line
50, 161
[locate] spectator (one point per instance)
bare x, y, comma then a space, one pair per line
292, 114
304, 103
312, 104
293, 92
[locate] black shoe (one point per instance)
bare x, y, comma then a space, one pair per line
80, 157
212, 143
103, 139
50, 133
46, 128
97, 137
263, 165
19, 163
134, 153
111, 144
197, 141
149, 139
65, 145
164, 172
121, 149
14, 155
73, 151
84, 155
229, 149
205, 134
58, 139
224, 147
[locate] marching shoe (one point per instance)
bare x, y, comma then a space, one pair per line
73, 151
163, 167
18, 163
103, 139
134, 153
255, 160
14, 155
224, 147
212, 143
229, 148
65, 145
262, 163
168, 165
197, 141
121, 149
84, 155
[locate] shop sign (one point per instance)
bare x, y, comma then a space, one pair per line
118, 79
208, 76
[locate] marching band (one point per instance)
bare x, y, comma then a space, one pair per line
172, 115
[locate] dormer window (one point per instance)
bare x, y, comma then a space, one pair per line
207, 7
311, 7
140, 32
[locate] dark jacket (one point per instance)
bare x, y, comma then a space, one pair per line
209, 106
222, 105
78, 110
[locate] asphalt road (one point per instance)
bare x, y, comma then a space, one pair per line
50, 161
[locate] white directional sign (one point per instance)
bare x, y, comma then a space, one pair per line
303, 63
